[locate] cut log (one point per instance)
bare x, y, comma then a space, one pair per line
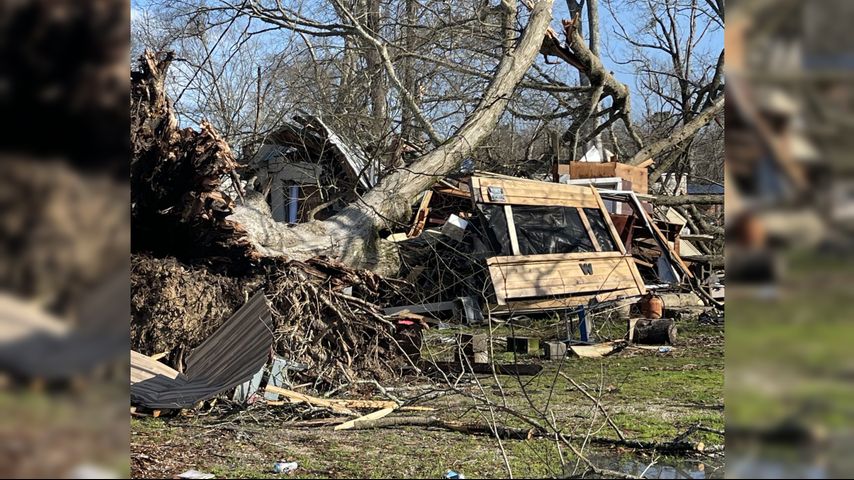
654, 332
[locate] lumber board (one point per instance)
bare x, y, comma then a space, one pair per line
532, 192
518, 278
549, 257
638, 176
511, 228
371, 416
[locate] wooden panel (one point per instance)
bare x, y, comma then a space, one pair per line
475, 188
526, 277
533, 192
549, 258
511, 227
638, 176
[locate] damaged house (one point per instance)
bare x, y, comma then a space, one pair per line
306, 171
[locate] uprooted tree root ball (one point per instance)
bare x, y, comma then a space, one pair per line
340, 337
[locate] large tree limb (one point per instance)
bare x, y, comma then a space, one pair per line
689, 199
687, 131
349, 234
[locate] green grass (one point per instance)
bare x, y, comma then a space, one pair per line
789, 358
651, 396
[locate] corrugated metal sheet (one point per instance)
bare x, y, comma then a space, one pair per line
229, 357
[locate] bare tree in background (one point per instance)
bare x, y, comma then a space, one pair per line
430, 78
681, 79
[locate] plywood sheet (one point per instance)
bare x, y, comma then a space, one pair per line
562, 275
638, 176
532, 192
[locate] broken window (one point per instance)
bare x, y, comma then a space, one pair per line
600, 230
543, 230
496, 226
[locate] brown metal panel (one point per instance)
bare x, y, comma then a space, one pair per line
229, 357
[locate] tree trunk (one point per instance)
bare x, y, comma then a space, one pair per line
654, 331
351, 234
407, 121
379, 82
689, 200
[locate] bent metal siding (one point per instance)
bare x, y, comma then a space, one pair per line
229, 357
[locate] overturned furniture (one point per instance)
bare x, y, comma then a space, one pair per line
530, 245
229, 357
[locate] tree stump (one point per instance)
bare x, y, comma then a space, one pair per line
652, 331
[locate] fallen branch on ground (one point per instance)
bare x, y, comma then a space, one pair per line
511, 433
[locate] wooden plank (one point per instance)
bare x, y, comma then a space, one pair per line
525, 279
589, 229
571, 268
637, 276
371, 416
511, 227
664, 244
550, 257
579, 285
475, 189
296, 397
532, 192
596, 351
528, 196
421, 216
498, 283
606, 217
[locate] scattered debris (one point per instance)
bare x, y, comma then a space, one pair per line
226, 359
196, 474
285, 467
598, 350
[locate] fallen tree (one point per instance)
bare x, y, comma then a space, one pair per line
350, 235
338, 337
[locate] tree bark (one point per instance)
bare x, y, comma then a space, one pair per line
351, 234
687, 131
379, 83
689, 200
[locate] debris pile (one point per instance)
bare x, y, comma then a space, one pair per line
192, 268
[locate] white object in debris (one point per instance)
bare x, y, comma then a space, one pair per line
196, 474
285, 467
454, 227
594, 155
88, 470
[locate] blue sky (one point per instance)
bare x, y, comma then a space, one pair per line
613, 51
